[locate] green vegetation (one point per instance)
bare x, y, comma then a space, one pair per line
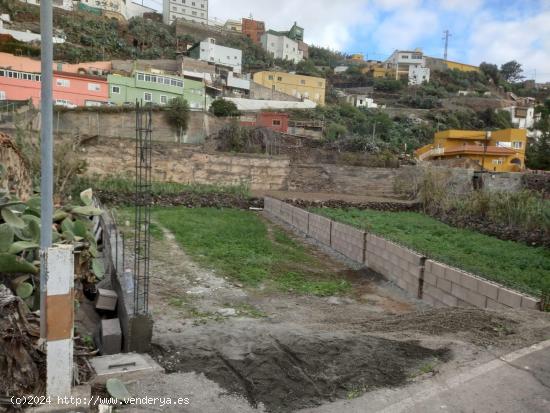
127, 185
538, 151
178, 114
507, 262
239, 245
224, 108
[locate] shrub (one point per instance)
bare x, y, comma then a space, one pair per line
177, 114
223, 108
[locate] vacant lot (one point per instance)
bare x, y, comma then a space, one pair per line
507, 262
240, 245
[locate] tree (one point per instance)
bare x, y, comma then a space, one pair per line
307, 68
178, 114
222, 108
491, 71
511, 71
538, 151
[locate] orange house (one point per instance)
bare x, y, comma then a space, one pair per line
69, 89
497, 151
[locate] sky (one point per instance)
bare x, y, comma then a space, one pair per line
494, 31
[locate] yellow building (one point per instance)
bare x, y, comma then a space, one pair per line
377, 70
357, 57
300, 86
463, 67
498, 151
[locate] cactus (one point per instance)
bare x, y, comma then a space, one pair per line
24, 290
117, 390
6, 237
13, 264
11, 219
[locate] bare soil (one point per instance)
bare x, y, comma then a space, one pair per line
279, 352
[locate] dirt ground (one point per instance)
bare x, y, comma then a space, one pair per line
266, 351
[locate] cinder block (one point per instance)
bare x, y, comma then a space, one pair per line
319, 228
427, 298
470, 297
468, 281
509, 298
437, 269
444, 285
111, 336
494, 305
429, 277
440, 295
300, 219
530, 303
453, 275
106, 299
487, 289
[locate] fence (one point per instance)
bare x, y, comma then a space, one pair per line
435, 283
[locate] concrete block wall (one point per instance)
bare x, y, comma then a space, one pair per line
437, 284
448, 286
348, 241
397, 263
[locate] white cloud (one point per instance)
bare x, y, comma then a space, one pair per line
406, 29
463, 6
525, 40
329, 23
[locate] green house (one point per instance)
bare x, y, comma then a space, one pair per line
156, 88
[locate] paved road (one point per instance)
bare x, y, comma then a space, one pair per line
516, 383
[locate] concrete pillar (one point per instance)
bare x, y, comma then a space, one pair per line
59, 319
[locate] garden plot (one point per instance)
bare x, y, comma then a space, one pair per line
285, 326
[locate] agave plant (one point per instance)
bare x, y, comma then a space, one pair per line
20, 228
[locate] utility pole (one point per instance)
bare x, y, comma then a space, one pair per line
446, 35
46, 149
485, 143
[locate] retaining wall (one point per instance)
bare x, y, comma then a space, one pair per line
437, 284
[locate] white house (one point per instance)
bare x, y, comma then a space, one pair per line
522, 117
209, 51
361, 101
281, 47
400, 60
341, 69
193, 10
62, 4
137, 10
418, 75
27, 36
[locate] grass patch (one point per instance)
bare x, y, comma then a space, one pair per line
237, 243
510, 263
124, 215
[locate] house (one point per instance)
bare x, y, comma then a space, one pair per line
28, 36
253, 29
341, 69
193, 10
400, 60
357, 57
523, 117
155, 88
296, 33
282, 47
238, 85
69, 89
435, 63
233, 25
300, 86
361, 101
256, 105
418, 75
277, 121
209, 51
137, 10
497, 151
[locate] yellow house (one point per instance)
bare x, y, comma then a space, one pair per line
233, 25
463, 67
376, 70
498, 151
300, 86
357, 57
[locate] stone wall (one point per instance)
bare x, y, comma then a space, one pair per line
123, 125
186, 164
14, 173
435, 283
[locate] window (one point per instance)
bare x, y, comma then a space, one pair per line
94, 87
180, 83
63, 82
276, 122
518, 145
280, 78
166, 81
140, 76
163, 99
115, 90
154, 79
147, 78
160, 80
497, 162
2, 73
302, 82
173, 82
270, 77
2, 95
148, 97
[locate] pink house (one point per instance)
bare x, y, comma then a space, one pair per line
69, 89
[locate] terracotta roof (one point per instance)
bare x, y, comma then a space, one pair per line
479, 150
